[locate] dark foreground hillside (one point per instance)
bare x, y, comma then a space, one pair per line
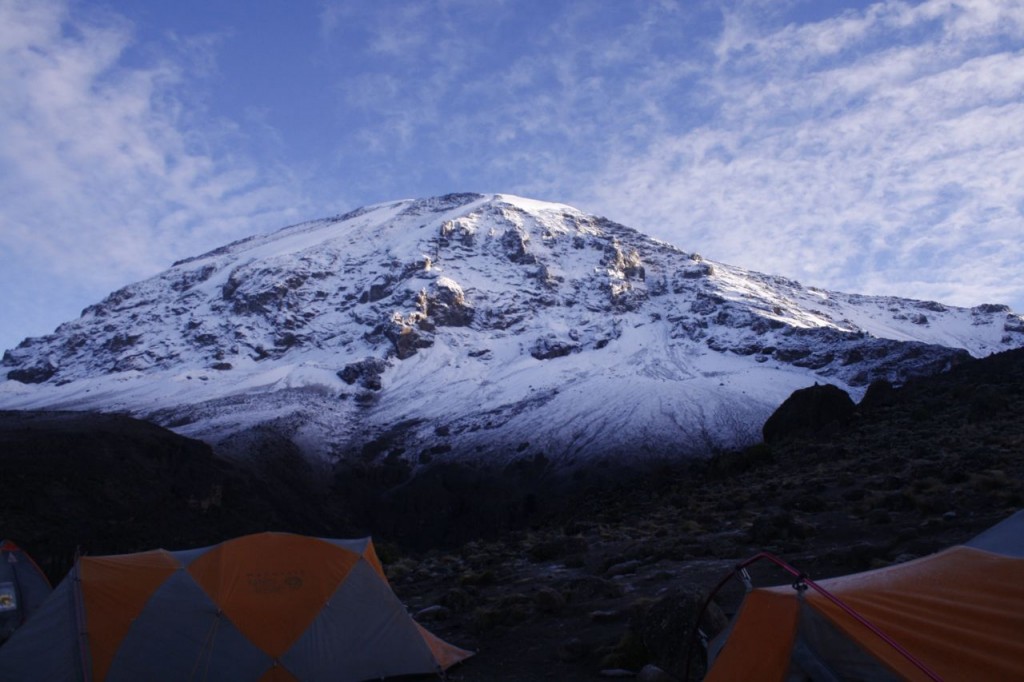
598, 583
108, 484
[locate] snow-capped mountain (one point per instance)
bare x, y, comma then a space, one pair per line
477, 327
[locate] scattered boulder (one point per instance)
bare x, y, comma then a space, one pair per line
664, 628
548, 348
572, 649
652, 673
606, 616
366, 371
809, 410
457, 600
433, 613
986, 403
549, 600
623, 568
776, 525
880, 393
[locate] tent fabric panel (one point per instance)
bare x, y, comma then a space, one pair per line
1006, 537
185, 557
363, 633
114, 591
181, 635
23, 588
822, 652
48, 646
961, 612
760, 643
356, 546
272, 585
33, 587
364, 547
277, 673
444, 653
370, 555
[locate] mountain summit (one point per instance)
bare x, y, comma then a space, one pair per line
477, 327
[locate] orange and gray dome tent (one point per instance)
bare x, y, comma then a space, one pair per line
954, 615
272, 607
23, 588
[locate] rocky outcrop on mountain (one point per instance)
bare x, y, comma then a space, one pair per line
475, 324
366, 372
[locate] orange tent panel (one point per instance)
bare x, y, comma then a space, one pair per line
955, 615
114, 592
274, 607
948, 610
758, 648
272, 597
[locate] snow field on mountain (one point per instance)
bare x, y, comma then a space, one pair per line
487, 327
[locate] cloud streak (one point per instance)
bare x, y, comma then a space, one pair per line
108, 173
877, 151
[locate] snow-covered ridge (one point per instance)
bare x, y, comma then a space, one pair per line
487, 326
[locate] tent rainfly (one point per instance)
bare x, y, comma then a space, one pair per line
954, 615
272, 607
23, 588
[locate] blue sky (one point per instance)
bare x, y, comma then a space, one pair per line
864, 147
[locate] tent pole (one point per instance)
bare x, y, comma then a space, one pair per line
79, 606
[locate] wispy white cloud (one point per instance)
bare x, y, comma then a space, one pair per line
878, 150
110, 171
520, 97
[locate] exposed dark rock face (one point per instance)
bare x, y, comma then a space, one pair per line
32, 375
548, 348
809, 410
446, 304
879, 394
367, 372
408, 334
515, 246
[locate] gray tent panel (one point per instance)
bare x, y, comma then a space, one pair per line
824, 654
23, 588
1006, 538
186, 556
184, 630
357, 546
57, 657
364, 632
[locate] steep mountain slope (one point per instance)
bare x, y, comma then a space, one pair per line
471, 327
